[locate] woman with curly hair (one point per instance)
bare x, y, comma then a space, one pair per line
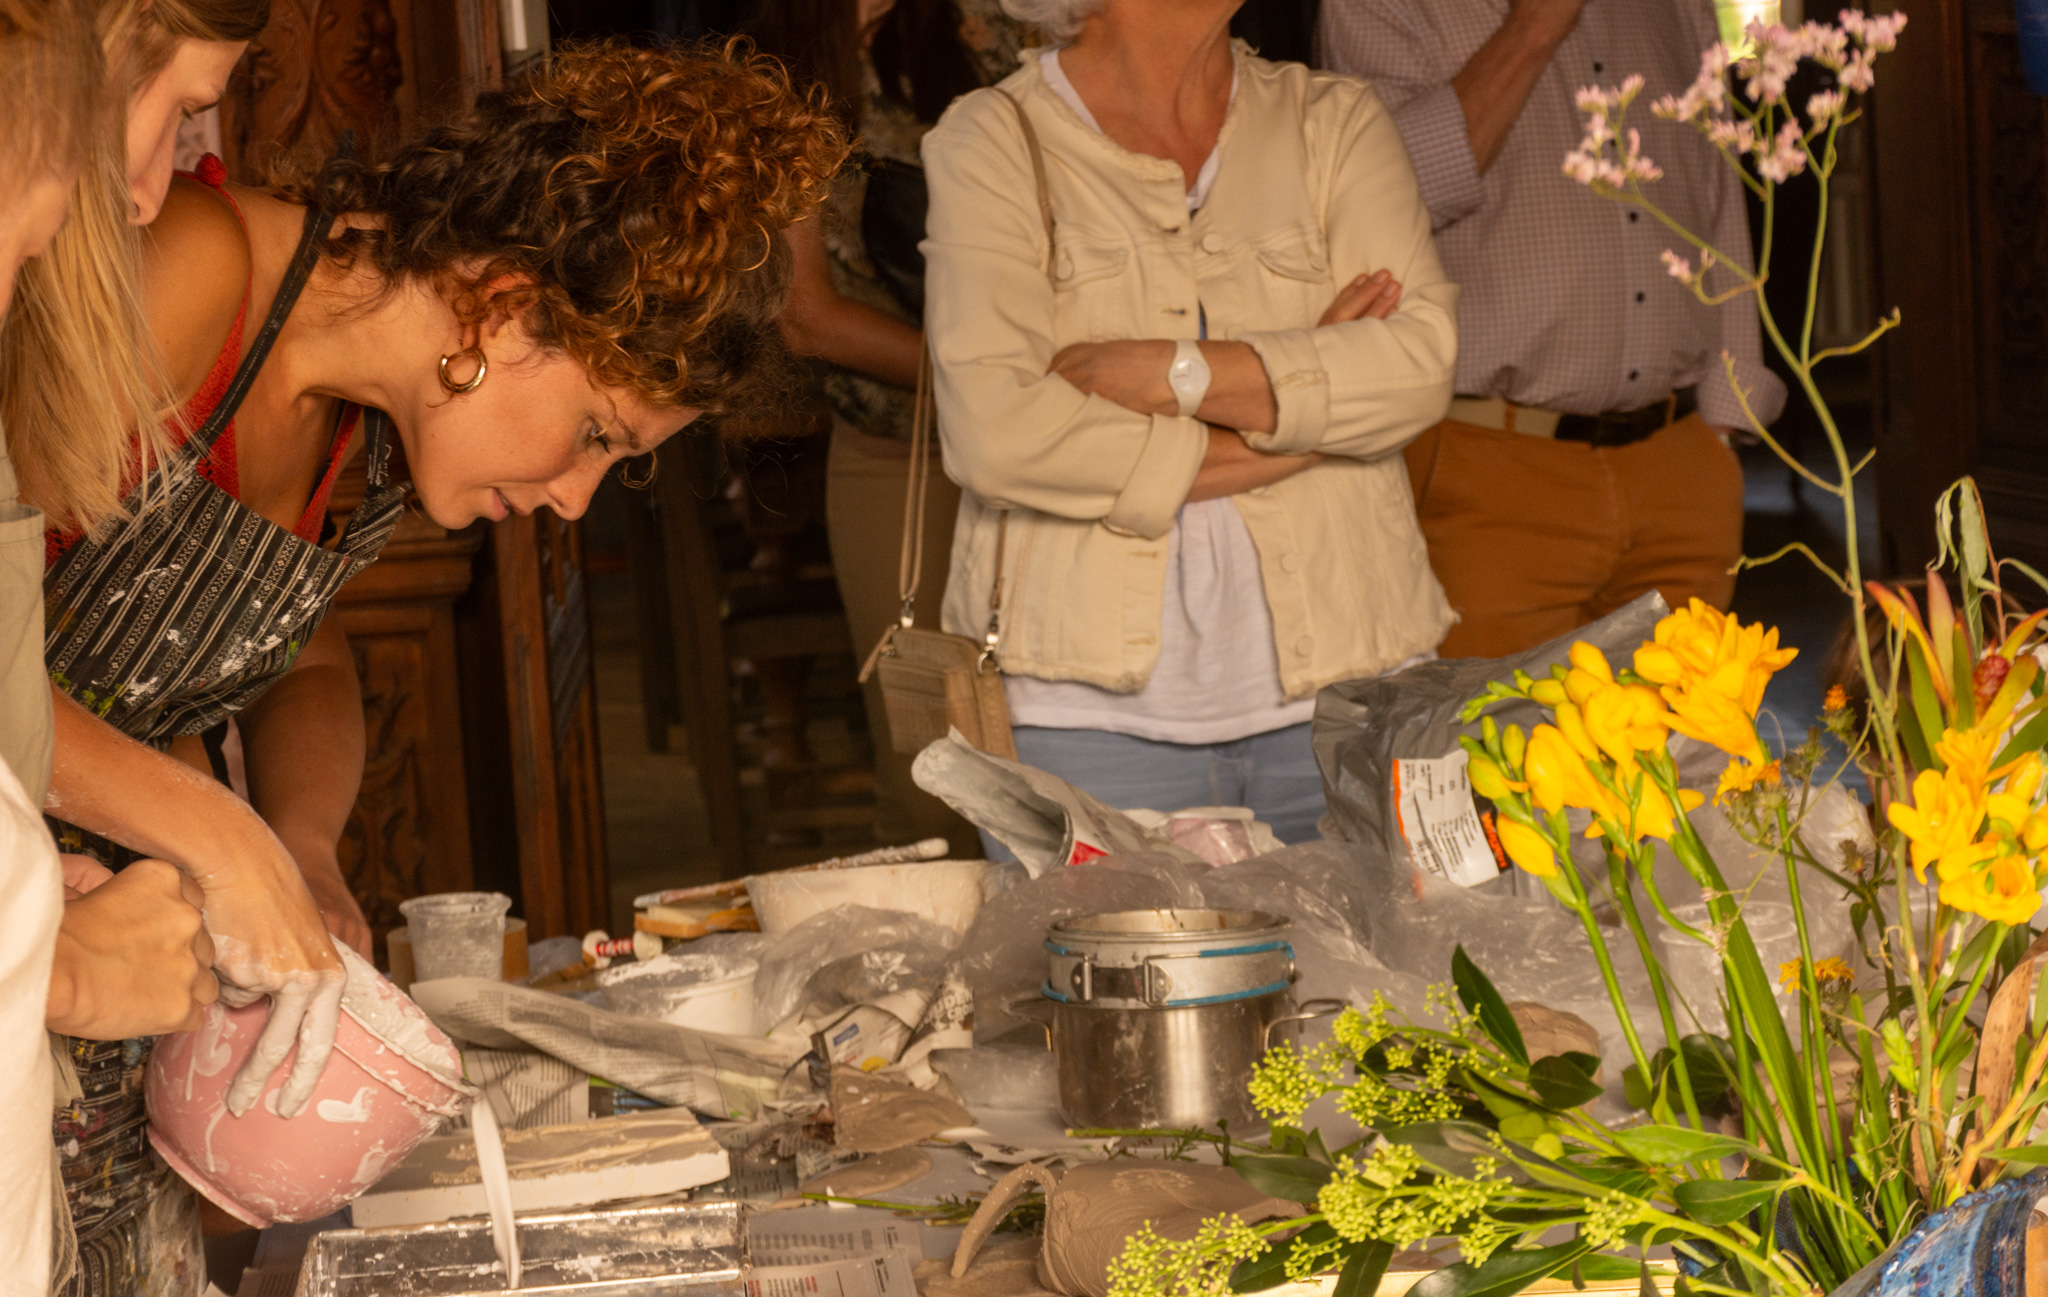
499, 312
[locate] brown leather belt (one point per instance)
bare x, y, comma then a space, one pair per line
1625, 427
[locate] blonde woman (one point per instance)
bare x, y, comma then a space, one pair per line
50, 62
1189, 408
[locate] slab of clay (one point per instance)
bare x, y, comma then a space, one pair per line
874, 1114
602, 1160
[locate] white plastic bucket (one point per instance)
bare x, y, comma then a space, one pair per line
948, 892
701, 992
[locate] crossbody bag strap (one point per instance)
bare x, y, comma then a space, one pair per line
923, 421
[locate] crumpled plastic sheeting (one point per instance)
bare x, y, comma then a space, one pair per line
1003, 954
848, 955
1320, 886
1362, 727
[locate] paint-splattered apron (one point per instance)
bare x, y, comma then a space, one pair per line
175, 620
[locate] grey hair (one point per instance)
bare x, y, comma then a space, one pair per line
1060, 20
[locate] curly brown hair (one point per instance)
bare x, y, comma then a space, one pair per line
637, 196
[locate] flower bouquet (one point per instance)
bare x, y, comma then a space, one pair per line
1796, 1150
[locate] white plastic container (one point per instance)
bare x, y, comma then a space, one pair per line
701, 992
948, 892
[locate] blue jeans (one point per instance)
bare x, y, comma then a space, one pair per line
1273, 773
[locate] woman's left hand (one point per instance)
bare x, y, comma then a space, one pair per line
1131, 373
338, 907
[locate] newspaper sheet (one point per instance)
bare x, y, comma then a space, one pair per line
714, 1075
861, 1260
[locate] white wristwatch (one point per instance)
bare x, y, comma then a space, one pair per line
1188, 375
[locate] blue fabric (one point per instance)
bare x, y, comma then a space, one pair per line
1273, 773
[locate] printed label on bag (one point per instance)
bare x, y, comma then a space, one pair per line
1441, 822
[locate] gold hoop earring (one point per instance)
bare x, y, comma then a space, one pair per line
645, 480
454, 388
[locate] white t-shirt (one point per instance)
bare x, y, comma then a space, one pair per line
31, 903
1218, 675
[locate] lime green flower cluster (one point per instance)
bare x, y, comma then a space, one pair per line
1154, 1266
1375, 1200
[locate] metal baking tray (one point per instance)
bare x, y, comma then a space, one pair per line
678, 1250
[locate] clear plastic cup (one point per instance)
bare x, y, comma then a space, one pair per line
457, 934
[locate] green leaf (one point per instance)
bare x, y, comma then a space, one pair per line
2031, 1154
1721, 1202
1565, 1081
1503, 1274
1294, 1179
1363, 1270
1450, 1147
1668, 1145
1269, 1268
1481, 1000
1926, 705
2032, 737
1608, 1269
1965, 687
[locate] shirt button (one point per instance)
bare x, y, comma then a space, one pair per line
1632, 376
1599, 67
1305, 645
1639, 297
1633, 217
1212, 243
1290, 562
1065, 268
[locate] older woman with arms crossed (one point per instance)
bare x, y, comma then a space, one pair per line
1195, 446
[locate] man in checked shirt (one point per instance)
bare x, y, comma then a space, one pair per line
1586, 459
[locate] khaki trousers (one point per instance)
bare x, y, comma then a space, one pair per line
1533, 538
865, 478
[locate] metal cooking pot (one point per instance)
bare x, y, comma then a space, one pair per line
1156, 1017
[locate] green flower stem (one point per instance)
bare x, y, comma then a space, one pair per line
1584, 909
1624, 897
1922, 1132
1814, 1041
1753, 1003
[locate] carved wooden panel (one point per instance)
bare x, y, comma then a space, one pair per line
409, 831
377, 67
1961, 181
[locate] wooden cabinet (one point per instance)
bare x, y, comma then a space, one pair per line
1961, 175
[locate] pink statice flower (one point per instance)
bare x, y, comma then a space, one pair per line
1726, 133
1878, 34
1774, 58
1825, 107
1857, 74
1678, 267
1781, 159
1708, 92
1604, 156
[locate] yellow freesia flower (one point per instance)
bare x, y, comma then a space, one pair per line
2011, 808
1623, 720
1653, 818
1943, 817
1715, 718
1589, 672
1555, 769
2003, 888
1702, 648
1530, 850
1969, 752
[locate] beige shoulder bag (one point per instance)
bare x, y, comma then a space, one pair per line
932, 681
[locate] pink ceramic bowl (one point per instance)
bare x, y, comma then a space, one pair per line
392, 1079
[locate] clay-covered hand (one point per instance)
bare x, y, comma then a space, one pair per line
133, 957
269, 939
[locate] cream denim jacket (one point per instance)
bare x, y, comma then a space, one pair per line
1314, 188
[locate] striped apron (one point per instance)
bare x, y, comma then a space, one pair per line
173, 621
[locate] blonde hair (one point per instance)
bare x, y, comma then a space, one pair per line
50, 64
84, 394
